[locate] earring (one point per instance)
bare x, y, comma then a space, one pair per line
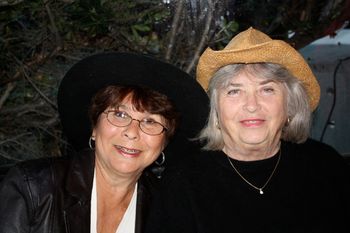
162, 161
159, 168
286, 124
91, 140
217, 125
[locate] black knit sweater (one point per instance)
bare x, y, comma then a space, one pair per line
309, 192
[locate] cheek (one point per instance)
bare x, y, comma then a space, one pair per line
227, 111
279, 113
103, 130
155, 143
224, 108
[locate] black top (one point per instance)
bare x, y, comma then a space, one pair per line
309, 192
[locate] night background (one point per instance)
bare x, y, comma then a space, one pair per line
41, 39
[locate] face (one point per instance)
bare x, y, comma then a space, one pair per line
122, 151
251, 113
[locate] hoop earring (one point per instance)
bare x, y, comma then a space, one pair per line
159, 168
91, 139
162, 161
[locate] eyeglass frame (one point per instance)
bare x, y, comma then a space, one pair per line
132, 119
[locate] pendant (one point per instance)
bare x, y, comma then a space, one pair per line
261, 191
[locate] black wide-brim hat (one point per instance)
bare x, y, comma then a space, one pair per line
89, 75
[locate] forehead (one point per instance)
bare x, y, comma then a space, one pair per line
130, 103
246, 78
126, 104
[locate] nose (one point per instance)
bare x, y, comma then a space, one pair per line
132, 130
251, 103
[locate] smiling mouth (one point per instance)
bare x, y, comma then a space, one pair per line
128, 151
256, 122
251, 121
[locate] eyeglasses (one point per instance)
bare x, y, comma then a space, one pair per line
122, 119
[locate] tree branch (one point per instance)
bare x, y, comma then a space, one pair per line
9, 88
9, 2
53, 24
204, 38
38, 90
174, 26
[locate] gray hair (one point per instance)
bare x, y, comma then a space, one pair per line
298, 109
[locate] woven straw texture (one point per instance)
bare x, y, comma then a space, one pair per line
253, 46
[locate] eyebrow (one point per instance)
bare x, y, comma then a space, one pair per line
267, 81
124, 107
121, 107
260, 83
234, 85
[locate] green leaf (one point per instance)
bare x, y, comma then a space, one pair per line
141, 28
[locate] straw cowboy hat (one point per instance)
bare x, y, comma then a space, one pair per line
253, 46
90, 74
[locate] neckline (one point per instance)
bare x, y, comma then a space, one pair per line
248, 166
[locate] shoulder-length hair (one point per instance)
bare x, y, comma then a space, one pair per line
298, 110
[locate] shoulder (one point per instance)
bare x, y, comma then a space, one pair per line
34, 174
27, 183
43, 167
316, 150
31, 168
312, 145
198, 166
318, 156
148, 182
44, 172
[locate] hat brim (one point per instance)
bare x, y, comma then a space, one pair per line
274, 51
89, 75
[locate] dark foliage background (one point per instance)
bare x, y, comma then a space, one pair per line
41, 39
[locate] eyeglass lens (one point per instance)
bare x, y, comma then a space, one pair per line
122, 119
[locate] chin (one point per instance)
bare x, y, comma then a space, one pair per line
254, 141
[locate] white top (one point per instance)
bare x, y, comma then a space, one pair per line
127, 224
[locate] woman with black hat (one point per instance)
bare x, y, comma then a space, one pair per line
124, 107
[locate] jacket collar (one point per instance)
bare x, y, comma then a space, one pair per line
78, 188
79, 185
145, 192
80, 175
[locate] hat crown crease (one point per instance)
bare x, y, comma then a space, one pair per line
247, 39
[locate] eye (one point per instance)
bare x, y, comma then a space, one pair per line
121, 115
235, 91
268, 90
149, 121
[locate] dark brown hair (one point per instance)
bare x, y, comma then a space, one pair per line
143, 99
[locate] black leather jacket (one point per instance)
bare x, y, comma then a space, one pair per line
53, 195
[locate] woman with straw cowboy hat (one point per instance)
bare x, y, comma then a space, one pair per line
257, 172
129, 109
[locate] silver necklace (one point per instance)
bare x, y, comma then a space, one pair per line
261, 191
